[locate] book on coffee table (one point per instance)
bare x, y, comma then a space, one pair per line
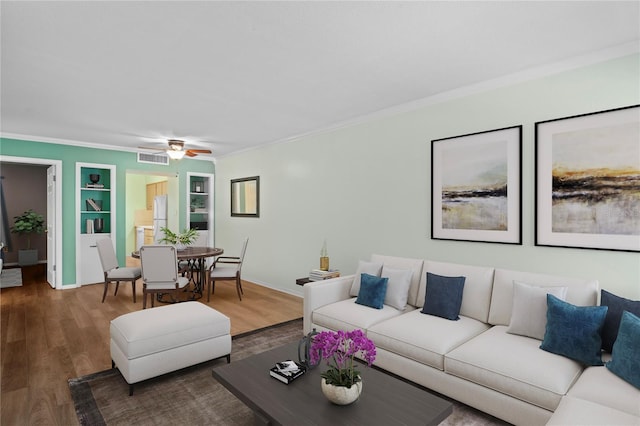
287, 371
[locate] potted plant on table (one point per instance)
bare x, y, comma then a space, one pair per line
342, 383
180, 240
28, 223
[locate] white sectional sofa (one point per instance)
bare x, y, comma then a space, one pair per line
474, 360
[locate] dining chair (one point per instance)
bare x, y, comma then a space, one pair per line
227, 268
113, 272
160, 272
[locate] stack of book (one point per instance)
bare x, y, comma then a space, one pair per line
96, 206
94, 185
287, 371
319, 275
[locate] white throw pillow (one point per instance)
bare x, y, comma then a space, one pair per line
397, 286
529, 313
370, 268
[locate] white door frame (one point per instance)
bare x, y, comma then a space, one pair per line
57, 164
51, 225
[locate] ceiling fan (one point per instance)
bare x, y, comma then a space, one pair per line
176, 149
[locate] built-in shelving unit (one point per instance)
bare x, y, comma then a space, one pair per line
95, 217
200, 206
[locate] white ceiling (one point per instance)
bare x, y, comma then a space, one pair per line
232, 75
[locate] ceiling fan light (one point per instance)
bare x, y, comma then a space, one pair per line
175, 155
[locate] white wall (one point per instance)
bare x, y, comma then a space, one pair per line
366, 188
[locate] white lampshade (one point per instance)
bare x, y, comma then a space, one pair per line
175, 155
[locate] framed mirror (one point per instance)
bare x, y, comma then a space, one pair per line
245, 197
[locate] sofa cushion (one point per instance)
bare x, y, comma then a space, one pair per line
424, 338
574, 331
372, 291
397, 287
370, 268
443, 296
348, 315
616, 305
619, 395
529, 316
477, 286
625, 358
404, 263
579, 412
580, 291
515, 366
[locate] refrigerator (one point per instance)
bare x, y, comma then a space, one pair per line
159, 217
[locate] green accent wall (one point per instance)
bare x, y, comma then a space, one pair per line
124, 161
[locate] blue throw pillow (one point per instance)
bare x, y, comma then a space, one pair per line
444, 296
372, 291
625, 362
616, 306
574, 331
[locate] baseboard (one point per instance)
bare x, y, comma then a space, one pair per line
272, 287
16, 265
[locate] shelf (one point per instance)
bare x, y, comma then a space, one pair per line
199, 205
95, 189
88, 199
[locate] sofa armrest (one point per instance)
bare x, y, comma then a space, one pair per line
320, 293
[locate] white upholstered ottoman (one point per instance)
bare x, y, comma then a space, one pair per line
152, 342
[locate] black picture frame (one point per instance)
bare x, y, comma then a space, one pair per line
587, 178
476, 187
245, 197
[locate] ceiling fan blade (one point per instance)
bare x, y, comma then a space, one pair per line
188, 153
200, 151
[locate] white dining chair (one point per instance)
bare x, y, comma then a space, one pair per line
227, 268
160, 272
112, 271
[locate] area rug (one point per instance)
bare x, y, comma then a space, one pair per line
192, 396
11, 277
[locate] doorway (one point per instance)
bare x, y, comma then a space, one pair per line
54, 213
136, 201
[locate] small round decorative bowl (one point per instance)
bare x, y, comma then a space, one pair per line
94, 178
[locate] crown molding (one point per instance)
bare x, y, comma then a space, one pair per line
70, 142
535, 73
568, 64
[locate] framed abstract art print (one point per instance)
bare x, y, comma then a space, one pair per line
588, 180
476, 184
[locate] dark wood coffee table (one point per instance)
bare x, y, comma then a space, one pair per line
385, 399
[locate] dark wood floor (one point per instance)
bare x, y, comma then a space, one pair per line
49, 336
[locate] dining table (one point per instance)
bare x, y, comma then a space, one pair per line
191, 260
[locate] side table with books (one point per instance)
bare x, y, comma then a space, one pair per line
318, 275
303, 281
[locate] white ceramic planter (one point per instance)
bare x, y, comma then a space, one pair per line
341, 395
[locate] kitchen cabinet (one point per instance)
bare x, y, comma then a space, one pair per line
89, 268
144, 236
153, 189
95, 217
148, 236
